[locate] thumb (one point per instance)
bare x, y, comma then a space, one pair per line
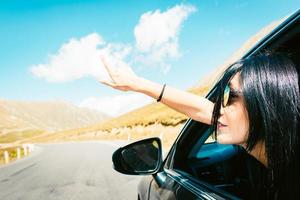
107, 82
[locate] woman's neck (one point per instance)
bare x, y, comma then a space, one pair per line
259, 152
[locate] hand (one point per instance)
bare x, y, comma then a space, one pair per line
123, 80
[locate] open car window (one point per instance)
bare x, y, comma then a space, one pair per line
221, 168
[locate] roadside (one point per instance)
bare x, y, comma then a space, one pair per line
12, 152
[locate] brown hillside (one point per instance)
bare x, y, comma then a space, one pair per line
22, 119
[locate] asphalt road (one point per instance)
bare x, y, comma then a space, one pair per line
67, 171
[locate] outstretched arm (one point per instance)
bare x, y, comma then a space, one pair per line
196, 107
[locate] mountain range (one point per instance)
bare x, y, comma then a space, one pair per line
48, 116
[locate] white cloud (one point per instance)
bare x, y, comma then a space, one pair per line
156, 36
116, 105
79, 58
157, 33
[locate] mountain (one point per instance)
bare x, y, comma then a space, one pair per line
48, 116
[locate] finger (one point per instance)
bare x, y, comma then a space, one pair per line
107, 67
109, 83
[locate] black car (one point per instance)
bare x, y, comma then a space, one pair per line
196, 168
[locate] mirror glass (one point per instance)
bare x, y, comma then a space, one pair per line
141, 157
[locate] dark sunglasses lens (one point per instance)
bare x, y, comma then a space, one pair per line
226, 95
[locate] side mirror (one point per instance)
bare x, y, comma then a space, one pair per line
139, 158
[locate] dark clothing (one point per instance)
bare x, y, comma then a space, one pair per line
262, 182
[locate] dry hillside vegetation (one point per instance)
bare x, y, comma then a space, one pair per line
167, 133
19, 120
12, 151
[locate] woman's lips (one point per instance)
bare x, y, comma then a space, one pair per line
221, 125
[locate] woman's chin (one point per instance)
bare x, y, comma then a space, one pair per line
224, 138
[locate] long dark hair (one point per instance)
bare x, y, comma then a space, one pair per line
270, 87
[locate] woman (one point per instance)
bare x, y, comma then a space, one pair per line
257, 108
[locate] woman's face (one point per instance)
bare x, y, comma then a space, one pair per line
233, 124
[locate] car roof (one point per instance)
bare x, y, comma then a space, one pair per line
277, 32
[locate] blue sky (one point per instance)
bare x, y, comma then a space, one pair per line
34, 32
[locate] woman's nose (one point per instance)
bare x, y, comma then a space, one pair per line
222, 110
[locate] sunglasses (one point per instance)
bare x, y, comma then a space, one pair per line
230, 95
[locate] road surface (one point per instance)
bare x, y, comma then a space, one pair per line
80, 170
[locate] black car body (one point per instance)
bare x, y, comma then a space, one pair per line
195, 169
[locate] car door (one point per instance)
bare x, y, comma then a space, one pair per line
177, 181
